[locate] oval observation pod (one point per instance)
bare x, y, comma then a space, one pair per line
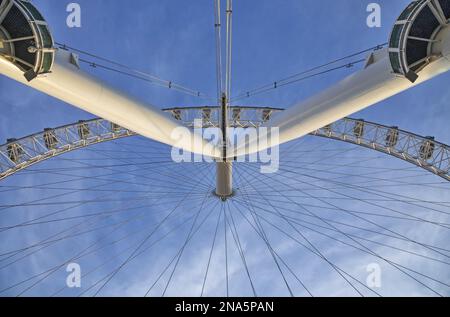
25, 38
414, 34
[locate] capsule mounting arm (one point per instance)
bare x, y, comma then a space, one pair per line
27, 56
419, 50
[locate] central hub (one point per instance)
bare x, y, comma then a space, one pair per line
224, 198
224, 180
224, 174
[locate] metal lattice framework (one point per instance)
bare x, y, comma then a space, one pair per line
240, 117
425, 152
19, 154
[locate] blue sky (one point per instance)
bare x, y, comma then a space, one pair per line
174, 40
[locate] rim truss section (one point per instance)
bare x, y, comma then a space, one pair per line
19, 154
424, 152
239, 117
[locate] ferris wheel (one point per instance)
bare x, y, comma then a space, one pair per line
349, 197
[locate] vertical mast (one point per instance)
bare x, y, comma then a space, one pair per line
224, 177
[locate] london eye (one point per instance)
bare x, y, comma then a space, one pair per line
348, 196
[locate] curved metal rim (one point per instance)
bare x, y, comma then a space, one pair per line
423, 152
